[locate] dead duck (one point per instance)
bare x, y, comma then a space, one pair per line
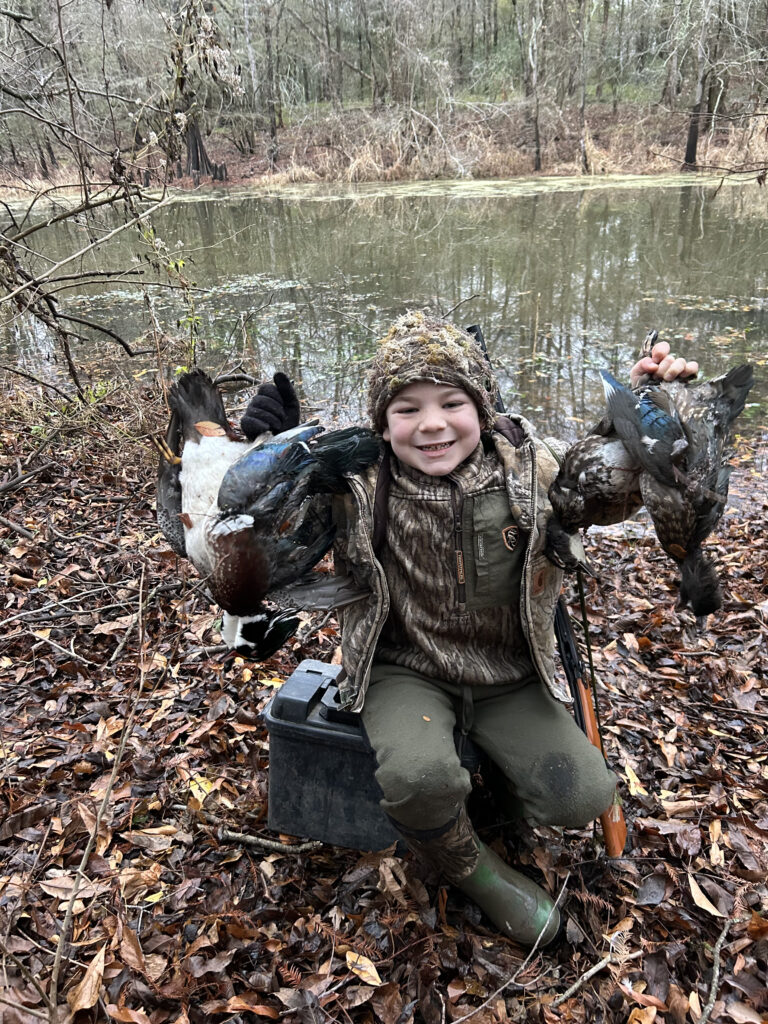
662, 445
679, 432
270, 532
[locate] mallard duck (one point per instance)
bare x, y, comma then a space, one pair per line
273, 526
273, 522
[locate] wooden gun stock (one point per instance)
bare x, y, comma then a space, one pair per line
612, 821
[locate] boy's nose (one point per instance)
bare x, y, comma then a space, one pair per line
432, 419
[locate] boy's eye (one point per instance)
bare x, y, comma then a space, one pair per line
455, 403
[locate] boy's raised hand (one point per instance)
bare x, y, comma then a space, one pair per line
662, 365
273, 408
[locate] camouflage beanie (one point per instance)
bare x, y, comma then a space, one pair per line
419, 347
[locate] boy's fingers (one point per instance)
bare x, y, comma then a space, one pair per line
675, 369
659, 351
663, 366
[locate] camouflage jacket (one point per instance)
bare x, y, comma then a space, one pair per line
530, 464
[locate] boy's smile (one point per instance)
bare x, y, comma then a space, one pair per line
432, 427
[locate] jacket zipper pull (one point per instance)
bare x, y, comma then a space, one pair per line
457, 544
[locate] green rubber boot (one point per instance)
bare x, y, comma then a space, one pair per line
517, 906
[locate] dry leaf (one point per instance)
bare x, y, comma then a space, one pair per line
701, 900
122, 1013
130, 950
456, 989
694, 1004
646, 1016
86, 994
643, 998
757, 928
363, 968
743, 1014
250, 1002
635, 785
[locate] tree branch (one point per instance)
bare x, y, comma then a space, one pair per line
35, 281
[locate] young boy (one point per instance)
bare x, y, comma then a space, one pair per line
447, 533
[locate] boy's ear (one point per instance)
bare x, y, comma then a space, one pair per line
386, 434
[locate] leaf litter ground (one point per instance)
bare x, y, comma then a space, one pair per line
135, 784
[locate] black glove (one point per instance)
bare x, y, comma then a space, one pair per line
273, 408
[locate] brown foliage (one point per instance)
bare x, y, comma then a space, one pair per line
174, 922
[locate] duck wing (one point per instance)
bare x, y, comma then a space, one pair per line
685, 513
647, 422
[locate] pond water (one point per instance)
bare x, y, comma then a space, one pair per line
565, 277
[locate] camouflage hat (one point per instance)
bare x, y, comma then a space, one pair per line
419, 347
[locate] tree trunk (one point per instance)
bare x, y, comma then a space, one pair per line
533, 62
583, 30
672, 80
603, 68
704, 67
198, 161
616, 75
270, 84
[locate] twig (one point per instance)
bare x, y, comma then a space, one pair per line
44, 383
16, 528
34, 613
268, 844
35, 281
80, 875
104, 330
601, 965
27, 1009
249, 840
28, 977
513, 980
706, 1012
64, 650
17, 481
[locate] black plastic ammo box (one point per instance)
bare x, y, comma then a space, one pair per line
321, 767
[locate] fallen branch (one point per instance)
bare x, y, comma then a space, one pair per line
600, 966
707, 1011
36, 380
17, 481
22, 530
268, 844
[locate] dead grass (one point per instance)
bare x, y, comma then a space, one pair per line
472, 140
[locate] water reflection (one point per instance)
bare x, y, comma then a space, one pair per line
562, 282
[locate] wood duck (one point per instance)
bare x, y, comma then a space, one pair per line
250, 516
662, 445
680, 436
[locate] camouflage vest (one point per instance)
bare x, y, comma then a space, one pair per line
529, 465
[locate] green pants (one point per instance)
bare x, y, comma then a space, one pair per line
558, 777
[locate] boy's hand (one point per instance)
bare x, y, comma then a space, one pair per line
662, 365
273, 408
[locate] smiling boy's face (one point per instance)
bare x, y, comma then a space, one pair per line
432, 427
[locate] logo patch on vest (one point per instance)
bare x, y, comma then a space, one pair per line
510, 536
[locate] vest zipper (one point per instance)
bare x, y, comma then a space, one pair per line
457, 504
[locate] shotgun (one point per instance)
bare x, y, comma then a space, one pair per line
612, 821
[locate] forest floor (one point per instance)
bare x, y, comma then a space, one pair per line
138, 879
479, 140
